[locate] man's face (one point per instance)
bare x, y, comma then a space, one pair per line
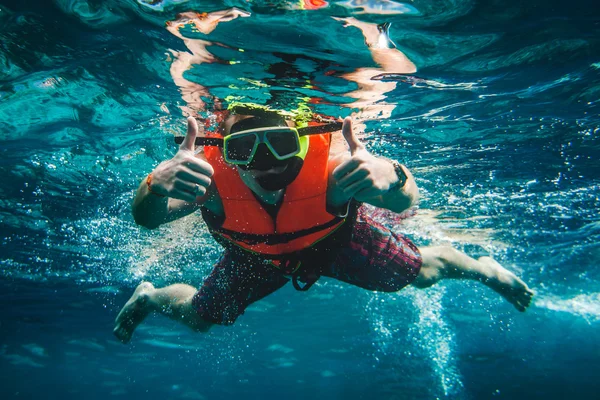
264, 169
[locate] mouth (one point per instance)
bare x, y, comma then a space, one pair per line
273, 170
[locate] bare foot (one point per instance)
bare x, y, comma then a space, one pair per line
507, 284
133, 312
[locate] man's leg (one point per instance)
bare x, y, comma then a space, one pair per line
446, 262
173, 301
233, 285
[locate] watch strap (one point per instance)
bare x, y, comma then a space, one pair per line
402, 178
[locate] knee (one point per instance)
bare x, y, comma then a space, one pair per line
435, 262
438, 257
427, 277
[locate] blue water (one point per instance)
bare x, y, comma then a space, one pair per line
500, 125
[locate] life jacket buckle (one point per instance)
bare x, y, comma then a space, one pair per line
288, 265
308, 280
290, 268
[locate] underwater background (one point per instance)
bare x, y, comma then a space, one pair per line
500, 124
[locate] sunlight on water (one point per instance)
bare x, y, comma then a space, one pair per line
429, 338
436, 339
586, 306
160, 5
492, 105
381, 7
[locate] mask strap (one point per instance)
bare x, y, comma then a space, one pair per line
202, 141
320, 129
308, 130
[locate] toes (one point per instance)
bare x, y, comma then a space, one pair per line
523, 301
118, 332
518, 305
526, 297
122, 334
520, 298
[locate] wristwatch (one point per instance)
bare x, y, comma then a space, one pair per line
402, 178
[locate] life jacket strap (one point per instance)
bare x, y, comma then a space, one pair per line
276, 238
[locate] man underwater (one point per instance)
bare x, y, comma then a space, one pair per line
285, 204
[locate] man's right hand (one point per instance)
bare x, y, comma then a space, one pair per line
184, 177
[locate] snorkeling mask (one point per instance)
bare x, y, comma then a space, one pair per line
265, 142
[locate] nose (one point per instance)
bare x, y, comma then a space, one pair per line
263, 158
263, 151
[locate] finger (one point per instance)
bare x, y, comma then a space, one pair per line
353, 189
185, 186
194, 178
190, 188
350, 137
345, 168
200, 166
183, 195
190, 136
368, 193
353, 177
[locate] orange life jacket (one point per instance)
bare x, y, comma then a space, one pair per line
302, 219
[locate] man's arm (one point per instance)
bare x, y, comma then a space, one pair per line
402, 195
150, 210
177, 187
374, 180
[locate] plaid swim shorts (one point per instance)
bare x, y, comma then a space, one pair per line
375, 259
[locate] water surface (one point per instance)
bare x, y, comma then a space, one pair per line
499, 123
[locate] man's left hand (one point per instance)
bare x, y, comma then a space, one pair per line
362, 176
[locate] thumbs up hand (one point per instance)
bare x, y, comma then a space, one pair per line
185, 176
362, 176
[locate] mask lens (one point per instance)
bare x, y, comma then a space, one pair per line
284, 143
240, 148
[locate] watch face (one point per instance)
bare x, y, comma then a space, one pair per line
400, 174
